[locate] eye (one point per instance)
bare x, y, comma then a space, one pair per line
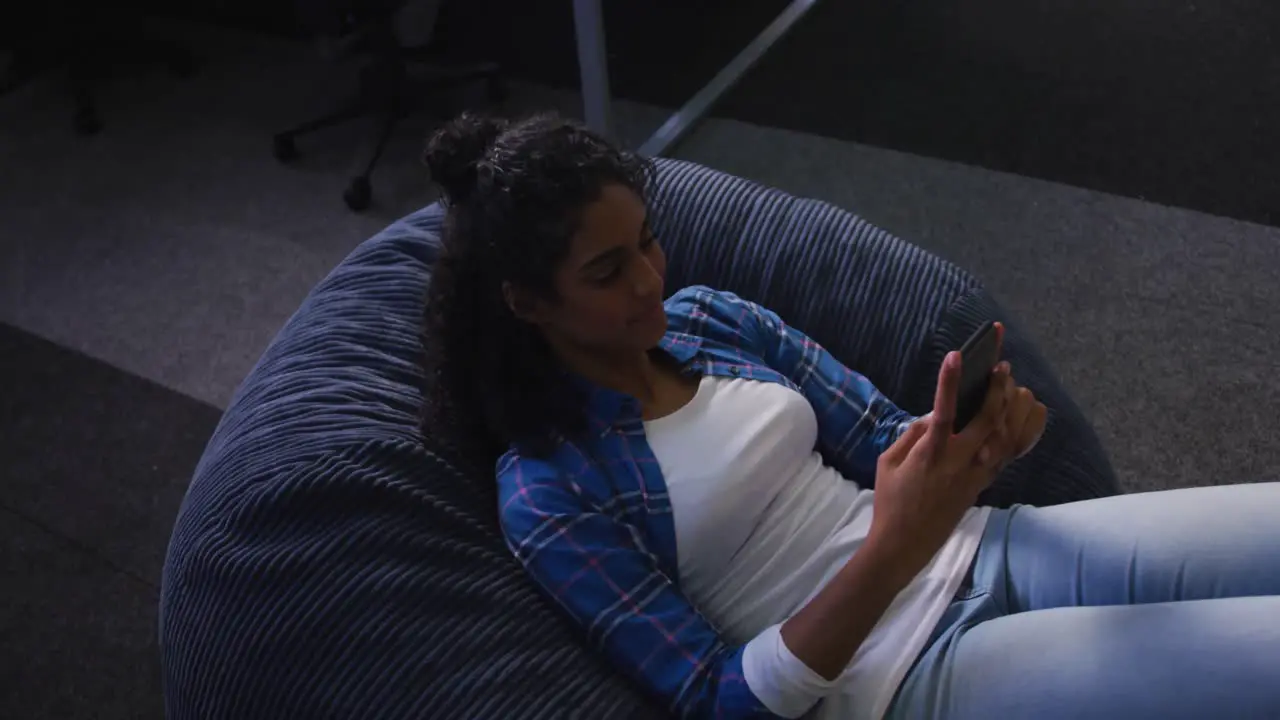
607, 277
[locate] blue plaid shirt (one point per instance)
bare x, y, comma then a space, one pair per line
592, 523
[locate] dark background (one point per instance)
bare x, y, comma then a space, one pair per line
1172, 101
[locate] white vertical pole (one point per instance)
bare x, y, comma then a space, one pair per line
593, 65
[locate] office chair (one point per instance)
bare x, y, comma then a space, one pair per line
395, 36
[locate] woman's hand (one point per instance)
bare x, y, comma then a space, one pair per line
924, 483
928, 478
1020, 426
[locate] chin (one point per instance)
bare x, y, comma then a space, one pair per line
654, 335
645, 333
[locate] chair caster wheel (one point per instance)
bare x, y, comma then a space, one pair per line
358, 194
283, 148
87, 122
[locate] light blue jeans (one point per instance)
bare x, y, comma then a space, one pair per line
1154, 605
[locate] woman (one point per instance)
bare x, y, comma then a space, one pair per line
663, 479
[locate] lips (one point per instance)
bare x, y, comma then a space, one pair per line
652, 314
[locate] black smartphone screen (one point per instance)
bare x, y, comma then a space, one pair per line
978, 357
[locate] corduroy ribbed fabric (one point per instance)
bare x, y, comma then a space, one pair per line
329, 562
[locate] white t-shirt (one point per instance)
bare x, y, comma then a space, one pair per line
762, 524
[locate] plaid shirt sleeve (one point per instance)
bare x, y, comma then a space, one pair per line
856, 422
595, 566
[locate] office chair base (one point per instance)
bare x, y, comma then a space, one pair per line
359, 194
391, 86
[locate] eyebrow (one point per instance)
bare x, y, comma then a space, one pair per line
604, 258
612, 254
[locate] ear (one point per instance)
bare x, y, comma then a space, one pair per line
521, 303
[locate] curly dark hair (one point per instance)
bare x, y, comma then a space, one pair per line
514, 191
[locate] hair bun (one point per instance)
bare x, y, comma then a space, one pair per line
456, 148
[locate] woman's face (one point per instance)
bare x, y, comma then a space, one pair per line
610, 287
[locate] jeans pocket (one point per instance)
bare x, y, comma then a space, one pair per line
970, 607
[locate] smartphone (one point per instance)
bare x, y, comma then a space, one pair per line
978, 357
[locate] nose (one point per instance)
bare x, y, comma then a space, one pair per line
646, 281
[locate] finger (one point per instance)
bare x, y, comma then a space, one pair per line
944, 399
999, 444
901, 447
1000, 448
981, 427
984, 454
1006, 428
999, 339
982, 471
991, 455
944, 405
1008, 391
1019, 416
1003, 433
1034, 428
1021, 404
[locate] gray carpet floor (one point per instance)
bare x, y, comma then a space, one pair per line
171, 247
95, 462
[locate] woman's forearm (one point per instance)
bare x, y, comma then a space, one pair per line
827, 632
